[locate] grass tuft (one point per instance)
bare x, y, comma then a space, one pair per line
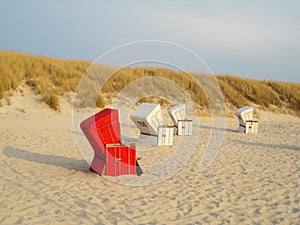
100, 102
51, 99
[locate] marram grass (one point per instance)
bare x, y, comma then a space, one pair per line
51, 77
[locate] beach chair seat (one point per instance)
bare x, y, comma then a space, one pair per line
120, 159
185, 127
165, 136
182, 125
103, 132
246, 122
148, 118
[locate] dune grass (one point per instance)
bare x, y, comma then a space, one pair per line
154, 99
240, 91
50, 78
123, 77
289, 93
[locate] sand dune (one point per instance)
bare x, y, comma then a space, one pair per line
255, 178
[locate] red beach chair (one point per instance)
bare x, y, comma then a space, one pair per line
111, 157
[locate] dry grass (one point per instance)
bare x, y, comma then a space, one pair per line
289, 94
154, 99
53, 77
45, 75
244, 90
125, 76
51, 99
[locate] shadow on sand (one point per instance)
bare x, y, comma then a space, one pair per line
61, 161
281, 146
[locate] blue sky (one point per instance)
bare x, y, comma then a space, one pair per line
257, 39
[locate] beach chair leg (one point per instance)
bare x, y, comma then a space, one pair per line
139, 170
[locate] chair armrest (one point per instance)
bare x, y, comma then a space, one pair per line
189, 120
119, 145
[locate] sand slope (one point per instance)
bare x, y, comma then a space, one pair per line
254, 179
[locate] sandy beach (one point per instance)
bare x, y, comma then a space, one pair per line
255, 178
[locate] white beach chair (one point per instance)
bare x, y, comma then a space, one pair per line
165, 136
182, 125
148, 118
246, 122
